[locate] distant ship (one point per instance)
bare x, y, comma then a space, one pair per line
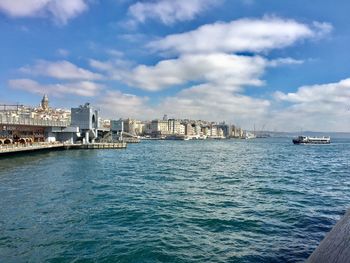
311, 140
249, 135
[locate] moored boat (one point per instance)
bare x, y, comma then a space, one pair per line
177, 137
249, 135
311, 140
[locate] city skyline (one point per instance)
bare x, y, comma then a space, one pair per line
281, 66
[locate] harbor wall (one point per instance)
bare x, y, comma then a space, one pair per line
13, 149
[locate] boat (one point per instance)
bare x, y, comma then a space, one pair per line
311, 140
177, 137
249, 135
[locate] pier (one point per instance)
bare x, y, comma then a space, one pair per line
21, 148
11, 149
131, 140
119, 145
335, 247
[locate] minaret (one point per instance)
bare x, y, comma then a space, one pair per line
45, 103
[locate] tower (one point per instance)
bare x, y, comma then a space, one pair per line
45, 103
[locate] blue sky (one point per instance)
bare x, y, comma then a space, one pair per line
279, 64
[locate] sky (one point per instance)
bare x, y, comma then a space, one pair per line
276, 65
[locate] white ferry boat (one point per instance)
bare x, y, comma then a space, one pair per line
249, 135
311, 140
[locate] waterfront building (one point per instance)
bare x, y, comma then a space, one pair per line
117, 125
204, 130
26, 130
159, 127
198, 130
182, 130
86, 118
43, 112
141, 128
225, 128
241, 133
147, 128
25, 124
220, 132
189, 130
213, 131
236, 132
134, 127
171, 126
84, 123
174, 126
68, 134
138, 127
129, 126
104, 124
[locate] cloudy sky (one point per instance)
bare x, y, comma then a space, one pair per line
282, 65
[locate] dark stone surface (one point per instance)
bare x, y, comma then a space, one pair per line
335, 247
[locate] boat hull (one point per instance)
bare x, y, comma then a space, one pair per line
312, 140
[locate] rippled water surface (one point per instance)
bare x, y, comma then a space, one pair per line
262, 200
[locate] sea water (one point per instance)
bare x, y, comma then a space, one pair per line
262, 200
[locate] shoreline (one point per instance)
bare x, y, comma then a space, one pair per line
11, 150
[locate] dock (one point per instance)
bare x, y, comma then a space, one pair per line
131, 140
10, 149
335, 247
21, 148
119, 145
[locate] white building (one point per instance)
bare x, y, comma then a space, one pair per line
174, 126
159, 127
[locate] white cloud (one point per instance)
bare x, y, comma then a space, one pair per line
23, 8
198, 102
323, 107
60, 10
285, 61
61, 70
115, 53
82, 88
209, 102
243, 35
116, 104
221, 69
170, 11
62, 52
218, 97
63, 10
205, 56
338, 92
322, 29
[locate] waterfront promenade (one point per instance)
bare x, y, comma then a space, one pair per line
17, 148
25, 148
